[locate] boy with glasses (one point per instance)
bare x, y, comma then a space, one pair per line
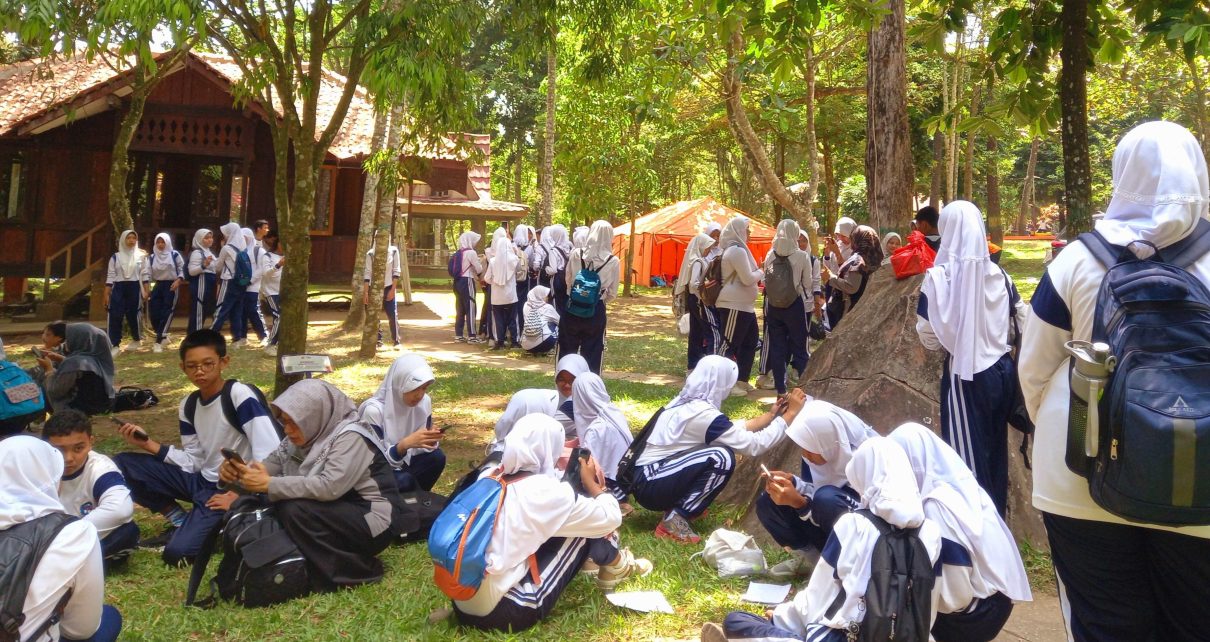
168, 474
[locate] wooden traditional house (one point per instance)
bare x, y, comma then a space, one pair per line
197, 160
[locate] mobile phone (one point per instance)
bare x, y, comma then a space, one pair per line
764, 470
139, 434
38, 352
780, 407
231, 455
445, 428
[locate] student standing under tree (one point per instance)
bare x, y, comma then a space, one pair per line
272, 262
202, 279
586, 335
167, 271
737, 301
465, 291
394, 271
502, 276
231, 292
703, 327
786, 327
125, 291
252, 314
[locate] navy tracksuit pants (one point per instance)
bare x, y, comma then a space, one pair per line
125, 305
157, 485
231, 308
785, 341
391, 308
252, 315
422, 473
686, 483
203, 291
273, 307
974, 421
523, 288
704, 338
160, 307
122, 539
584, 336
504, 323
740, 337
742, 625
788, 528
464, 296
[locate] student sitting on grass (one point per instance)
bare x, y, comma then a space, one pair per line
544, 518
401, 415
981, 569
331, 488
82, 377
165, 474
92, 486
530, 401
566, 370
690, 454
834, 601
540, 322
30, 509
602, 429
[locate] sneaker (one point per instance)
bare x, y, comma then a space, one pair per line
765, 382
114, 352
746, 386
712, 632
271, 350
738, 391
158, 542
250, 345
460, 339
676, 528
157, 347
628, 566
238, 343
475, 340
590, 568
800, 564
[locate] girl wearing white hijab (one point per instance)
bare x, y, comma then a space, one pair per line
487, 321
704, 338
785, 340
602, 429
326, 456
166, 269
390, 286
230, 293
30, 470
586, 336
552, 271
464, 288
524, 245
713, 230
126, 289
964, 309
1119, 580
502, 276
891, 241
566, 370
252, 313
981, 569
401, 415
540, 322
834, 599
530, 401
579, 237
544, 533
799, 512
737, 301
201, 279
690, 454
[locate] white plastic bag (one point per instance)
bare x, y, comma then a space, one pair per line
733, 553
683, 325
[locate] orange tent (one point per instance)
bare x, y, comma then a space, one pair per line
664, 235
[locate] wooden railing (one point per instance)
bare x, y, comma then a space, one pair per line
69, 250
428, 257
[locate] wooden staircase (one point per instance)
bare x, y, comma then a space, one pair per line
79, 272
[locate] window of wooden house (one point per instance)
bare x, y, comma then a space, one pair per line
325, 202
12, 180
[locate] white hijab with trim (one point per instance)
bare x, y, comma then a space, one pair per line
30, 470
232, 235
529, 401
968, 301
386, 408
832, 433
600, 425
198, 237
705, 390
694, 253
128, 257
165, 257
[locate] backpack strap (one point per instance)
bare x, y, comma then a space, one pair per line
884, 528
230, 413
191, 407
198, 571
1102, 250
1190, 249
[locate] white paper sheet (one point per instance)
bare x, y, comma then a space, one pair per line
766, 593
641, 601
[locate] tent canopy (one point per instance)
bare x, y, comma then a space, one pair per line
664, 235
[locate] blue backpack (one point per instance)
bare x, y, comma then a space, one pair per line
455, 264
586, 290
1153, 460
243, 269
20, 397
459, 538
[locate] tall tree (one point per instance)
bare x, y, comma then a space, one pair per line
365, 228
1073, 100
889, 175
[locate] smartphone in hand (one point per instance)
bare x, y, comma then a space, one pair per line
139, 434
39, 353
231, 455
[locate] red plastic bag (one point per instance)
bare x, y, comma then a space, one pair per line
913, 258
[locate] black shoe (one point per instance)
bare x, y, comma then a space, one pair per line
158, 542
515, 345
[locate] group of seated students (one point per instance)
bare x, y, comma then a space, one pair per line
336, 480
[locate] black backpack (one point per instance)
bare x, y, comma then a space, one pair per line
21, 549
627, 465
229, 409
427, 507
712, 281
134, 398
898, 597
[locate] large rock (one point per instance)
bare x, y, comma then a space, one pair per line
874, 366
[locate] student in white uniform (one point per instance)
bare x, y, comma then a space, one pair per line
401, 414
602, 429
553, 269
800, 511
566, 370
71, 567
579, 237
965, 306
586, 336
981, 570
690, 454
92, 487
202, 279
252, 313
394, 271
737, 301
465, 291
703, 326
231, 292
714, 231
804, 244
487, 324
786, 327
271, 263
1117, 580
530, 401
125, 291
502, 276
540, 326
166, 269
543, 517
524, 243
834, 600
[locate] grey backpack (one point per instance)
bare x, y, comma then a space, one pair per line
780, 291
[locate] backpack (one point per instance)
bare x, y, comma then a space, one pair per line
627, 465
898, 597
21, 549
134, 398
712, 281
261, 565
522, 272
586, 290
780, 290
22, 397
229, 410
427, 506
455, 266
459, 538
243, 269
558, 280
1154, 316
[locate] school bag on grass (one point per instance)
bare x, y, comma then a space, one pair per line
243, 269
898, 597
1148, 461
21, 549
780, 290
586, 290
134, 398
21, 401
428, 507
459, 538
230, 412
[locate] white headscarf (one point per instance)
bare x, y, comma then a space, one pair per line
694, 253
785, 241
711, 228
600, 425
579, 236
832, 433
967, 296
502, 268
30, 470
886, 239
705, 389
522, 236
536, 298
232, 236
387, 410
734, 233
128, 257
468, 240
599, 245
969, 517
529, 401
249, 237
164, 257
880, 472
1160, 187
198, 236
572, 363
556, 236
845, 225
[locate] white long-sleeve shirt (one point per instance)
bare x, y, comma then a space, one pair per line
610, 274
254, 439
224, 267
714, 428
394, 268
170, 271
740, 279
472, 266
255, 254
114, 275
270, 273
196, 261
73, 562
98, 494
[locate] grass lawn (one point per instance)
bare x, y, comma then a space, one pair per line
1023, 262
